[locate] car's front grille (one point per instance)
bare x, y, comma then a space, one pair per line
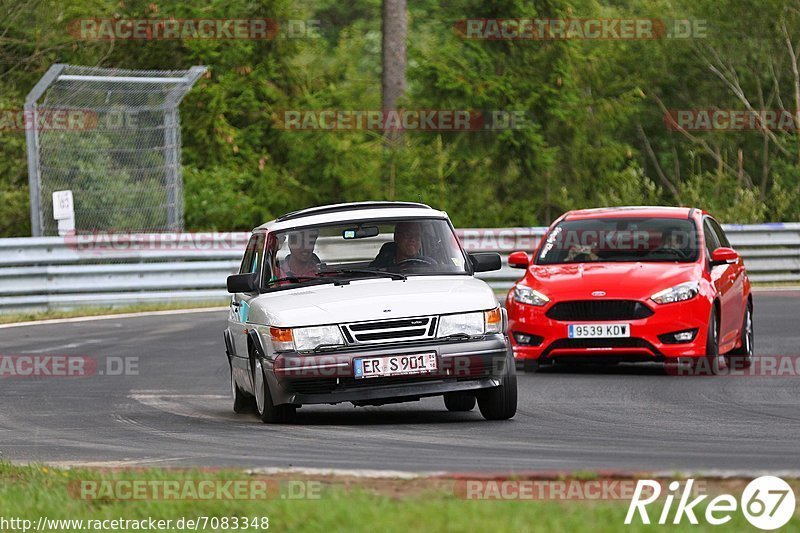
407, 329
594, 310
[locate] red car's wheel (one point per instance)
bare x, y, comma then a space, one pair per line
742, 357
713, 359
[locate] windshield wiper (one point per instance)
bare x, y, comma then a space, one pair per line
371, 271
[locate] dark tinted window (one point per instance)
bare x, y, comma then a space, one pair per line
722, 239
710, 237
253, 255
620, 240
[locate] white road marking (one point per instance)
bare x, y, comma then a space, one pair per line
62, 347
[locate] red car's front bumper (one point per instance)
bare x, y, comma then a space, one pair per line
535, 336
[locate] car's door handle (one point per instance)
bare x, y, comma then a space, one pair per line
235, 304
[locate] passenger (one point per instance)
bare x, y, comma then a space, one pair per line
301, 261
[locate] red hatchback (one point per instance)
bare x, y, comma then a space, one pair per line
632, 284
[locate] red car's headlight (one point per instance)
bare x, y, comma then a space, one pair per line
678, 293
526, 295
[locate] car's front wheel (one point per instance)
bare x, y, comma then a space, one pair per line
269, 412
742, 357
459, 401
500, 403
712, 361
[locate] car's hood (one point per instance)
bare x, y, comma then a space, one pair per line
371, 299
616, 280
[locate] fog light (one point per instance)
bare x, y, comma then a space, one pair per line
527, 339
678, 337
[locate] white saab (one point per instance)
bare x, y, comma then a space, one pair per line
369, 303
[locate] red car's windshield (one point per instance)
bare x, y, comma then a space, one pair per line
620, 240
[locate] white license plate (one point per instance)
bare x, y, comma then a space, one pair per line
395, 365
599, 331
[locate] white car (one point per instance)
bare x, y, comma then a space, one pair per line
369, 303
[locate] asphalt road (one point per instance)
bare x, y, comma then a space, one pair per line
176, 411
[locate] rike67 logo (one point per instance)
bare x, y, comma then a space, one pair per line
767, 502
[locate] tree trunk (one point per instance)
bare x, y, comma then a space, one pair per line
394, 71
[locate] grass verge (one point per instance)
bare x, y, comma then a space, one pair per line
343, 504
98, 311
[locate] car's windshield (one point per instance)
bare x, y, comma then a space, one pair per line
367, 249
620, 240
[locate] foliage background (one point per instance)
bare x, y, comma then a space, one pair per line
598, 135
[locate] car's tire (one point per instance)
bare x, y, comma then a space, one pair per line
242, 402
742, 357
459, 401
267, 411
712, 363
500, 403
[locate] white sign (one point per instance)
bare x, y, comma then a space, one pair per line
63, 207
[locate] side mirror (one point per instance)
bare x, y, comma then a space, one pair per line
518, 260
242, 283
724, 256
485, 261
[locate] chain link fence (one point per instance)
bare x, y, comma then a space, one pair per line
112, 137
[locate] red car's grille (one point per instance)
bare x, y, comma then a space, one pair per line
583, 344
598, 310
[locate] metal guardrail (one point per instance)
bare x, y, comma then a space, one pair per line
57, 273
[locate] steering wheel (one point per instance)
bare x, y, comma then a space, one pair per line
669, 252
412, 262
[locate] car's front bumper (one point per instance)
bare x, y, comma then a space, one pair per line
644, 343
329, 378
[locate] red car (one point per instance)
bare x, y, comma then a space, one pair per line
632, 284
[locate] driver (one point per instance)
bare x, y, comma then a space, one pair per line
407, 245
671, 239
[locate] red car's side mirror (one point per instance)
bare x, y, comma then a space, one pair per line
518, 260
724, 256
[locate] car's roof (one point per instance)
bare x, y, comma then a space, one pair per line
353, 211
632, 211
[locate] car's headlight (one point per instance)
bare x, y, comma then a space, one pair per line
311, 338
526, 295
305, 339
471, 323
678, 293
463, 324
